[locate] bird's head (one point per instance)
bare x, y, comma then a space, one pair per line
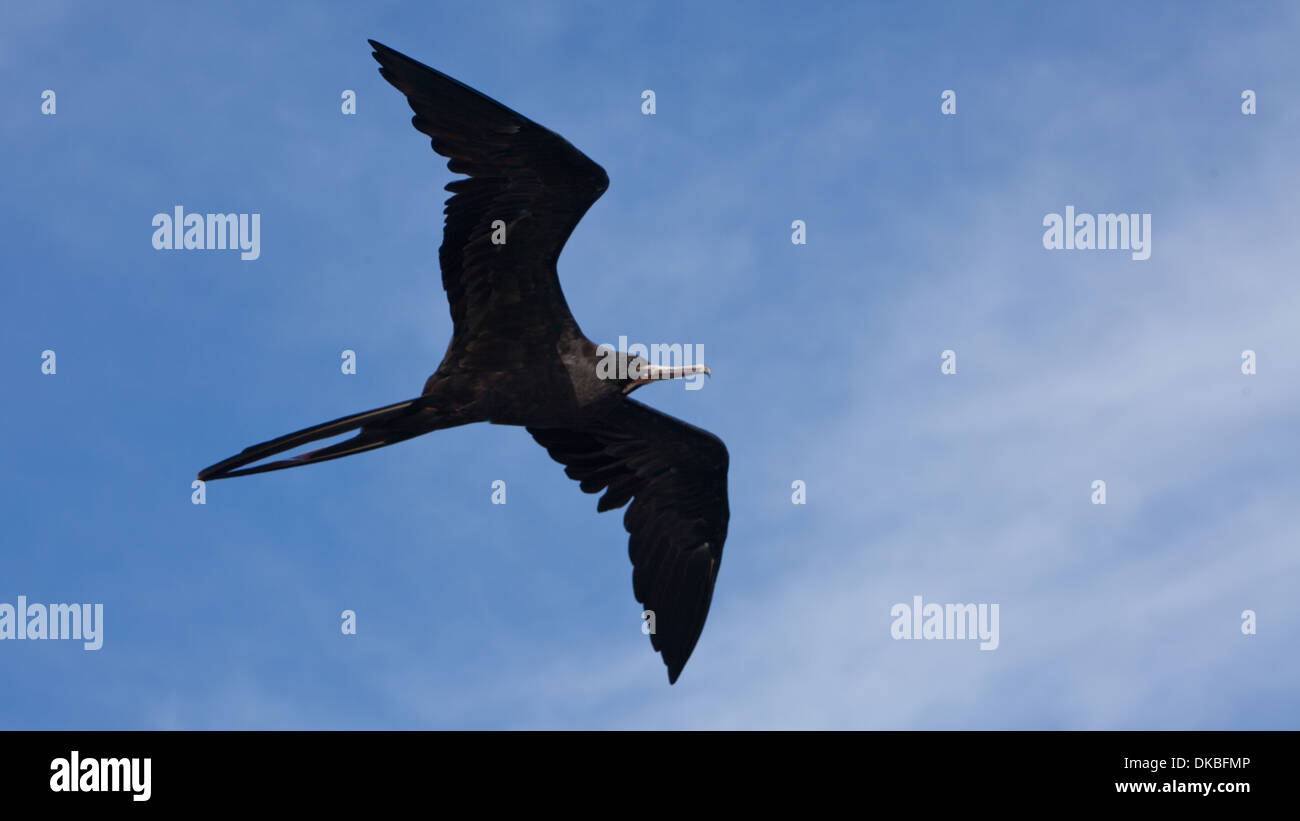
634, 371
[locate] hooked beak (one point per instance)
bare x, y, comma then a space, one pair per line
657, 373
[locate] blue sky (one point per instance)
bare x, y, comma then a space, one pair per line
924, 235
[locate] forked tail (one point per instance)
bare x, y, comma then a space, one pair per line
379, 427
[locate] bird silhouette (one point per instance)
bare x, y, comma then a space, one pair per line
518, 357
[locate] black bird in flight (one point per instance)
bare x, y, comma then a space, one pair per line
517, 357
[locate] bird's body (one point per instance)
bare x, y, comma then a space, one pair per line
517, 356
563, 387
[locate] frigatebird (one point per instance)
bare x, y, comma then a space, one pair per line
517, 356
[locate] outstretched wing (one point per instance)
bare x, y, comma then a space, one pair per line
676, 477
502, 295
